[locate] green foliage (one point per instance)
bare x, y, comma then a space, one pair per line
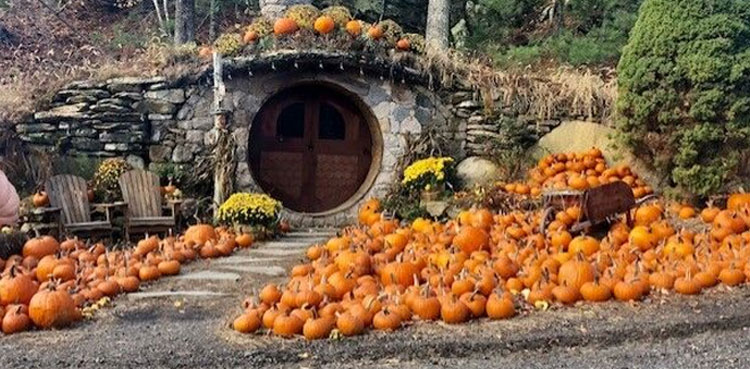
106, 179
592, 32
403, 205
78, 165
510, 149
684, 103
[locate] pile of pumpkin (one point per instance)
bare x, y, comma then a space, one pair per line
323, 23
384, 275
52, 282
576, 171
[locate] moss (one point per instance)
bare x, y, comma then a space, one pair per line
416, 41
262, 26
228, 44
305, 15
391, 30
340, 14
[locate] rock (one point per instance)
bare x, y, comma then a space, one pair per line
33, 128
132, 84
86, 144
124, 137
476, 170
117, 147
74, 111
174, 96
159, 153
182, 154
469, 104
112, 108
117, 117
435, 208
132, 96
81, 99
153, 117
136, 162
203, 124
159, 107
194, 136
85, 132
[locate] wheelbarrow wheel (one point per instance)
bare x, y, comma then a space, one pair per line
547, 215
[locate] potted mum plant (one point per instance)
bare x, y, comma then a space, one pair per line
429, 177
254, 213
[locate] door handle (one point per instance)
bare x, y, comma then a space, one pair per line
309, 147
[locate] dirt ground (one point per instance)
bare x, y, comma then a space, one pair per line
708, 331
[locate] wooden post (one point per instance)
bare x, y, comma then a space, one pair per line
224, 149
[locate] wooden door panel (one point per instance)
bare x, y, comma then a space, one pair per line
326, 166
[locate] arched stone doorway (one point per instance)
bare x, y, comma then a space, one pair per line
311, 147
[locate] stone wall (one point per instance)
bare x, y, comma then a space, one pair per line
155, 121
116, 118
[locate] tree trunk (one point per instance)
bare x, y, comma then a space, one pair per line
212, 26
184, 18
438, 24
223, 155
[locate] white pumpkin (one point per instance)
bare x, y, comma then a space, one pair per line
9, 202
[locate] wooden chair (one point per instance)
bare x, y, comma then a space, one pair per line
68, 194
145, 208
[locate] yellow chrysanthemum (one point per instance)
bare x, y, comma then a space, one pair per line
249, 208
429, 166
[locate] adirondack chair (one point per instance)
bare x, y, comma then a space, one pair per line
68, 195
145, 207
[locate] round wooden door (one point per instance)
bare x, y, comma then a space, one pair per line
311, 148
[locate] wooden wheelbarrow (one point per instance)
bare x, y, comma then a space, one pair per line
598, 205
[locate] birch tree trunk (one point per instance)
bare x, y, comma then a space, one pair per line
212, 25
438, 24
184, 18
223, 154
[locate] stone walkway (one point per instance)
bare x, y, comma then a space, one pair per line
264, 259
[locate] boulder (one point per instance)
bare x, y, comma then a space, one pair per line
476, 170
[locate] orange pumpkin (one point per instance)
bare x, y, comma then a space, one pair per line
199, 234
40, 247
354, 28
375, 32
575, 273
250, 36
285, 26
52, 308
470, 239
324, 25
403, 44
40, 199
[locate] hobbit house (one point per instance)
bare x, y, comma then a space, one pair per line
320, 130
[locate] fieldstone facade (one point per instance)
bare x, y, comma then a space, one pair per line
154, 121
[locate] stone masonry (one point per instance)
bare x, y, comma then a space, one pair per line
154, 121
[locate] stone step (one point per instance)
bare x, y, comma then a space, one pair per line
210, 275
278, 252
243, 259
272, 270
313, 233
286, 245
155, 294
